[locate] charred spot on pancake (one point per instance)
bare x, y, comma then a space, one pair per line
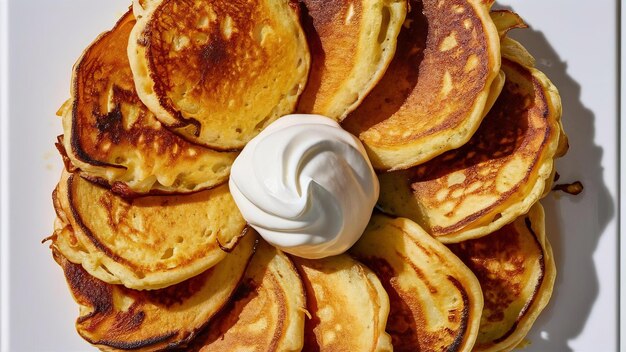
90, 291
214, 53
212, 59
123, 190
461, 316
318, 57
127, 321
134, 345
67, 163
109, 122
245, 289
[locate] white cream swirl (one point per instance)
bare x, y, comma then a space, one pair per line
306, 185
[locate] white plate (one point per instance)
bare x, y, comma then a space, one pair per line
574, 42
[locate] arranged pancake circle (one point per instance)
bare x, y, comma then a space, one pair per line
351, 43
462, 127
494, 178
149, 242
115, 318
217, 72
436, 301
112, 137
516, 270
432, 97
266, 312
347, 304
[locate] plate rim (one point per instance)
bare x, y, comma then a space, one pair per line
5, 189
4, 181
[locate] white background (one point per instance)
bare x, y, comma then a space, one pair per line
575, 43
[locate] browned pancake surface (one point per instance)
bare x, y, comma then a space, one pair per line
468, 187
148, 242
442, 64
435, 300
515, 268
266, 312
351, 44
347, 304
327, 20
111, 128
219, 71
117, 318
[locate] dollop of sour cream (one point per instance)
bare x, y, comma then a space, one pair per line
306, 185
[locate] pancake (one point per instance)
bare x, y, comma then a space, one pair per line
112, 137
115, 318
149, 242
347, 303
351, 43
436, 301
217, 72
516, 270
497, 176
514, 51
266, 312
432, 97
505, 21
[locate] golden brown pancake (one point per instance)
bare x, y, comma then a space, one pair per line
432, 97
347, 304
514, 51
266, 312
351, 43
497, 176
115, 318
217, 72
436, 301
505, 21
516, 270
112, 137
148, 242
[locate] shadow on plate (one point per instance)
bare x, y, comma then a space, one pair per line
577, 284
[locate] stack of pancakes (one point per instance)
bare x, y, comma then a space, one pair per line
461, 127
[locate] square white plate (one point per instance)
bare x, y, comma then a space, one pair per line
575, 43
